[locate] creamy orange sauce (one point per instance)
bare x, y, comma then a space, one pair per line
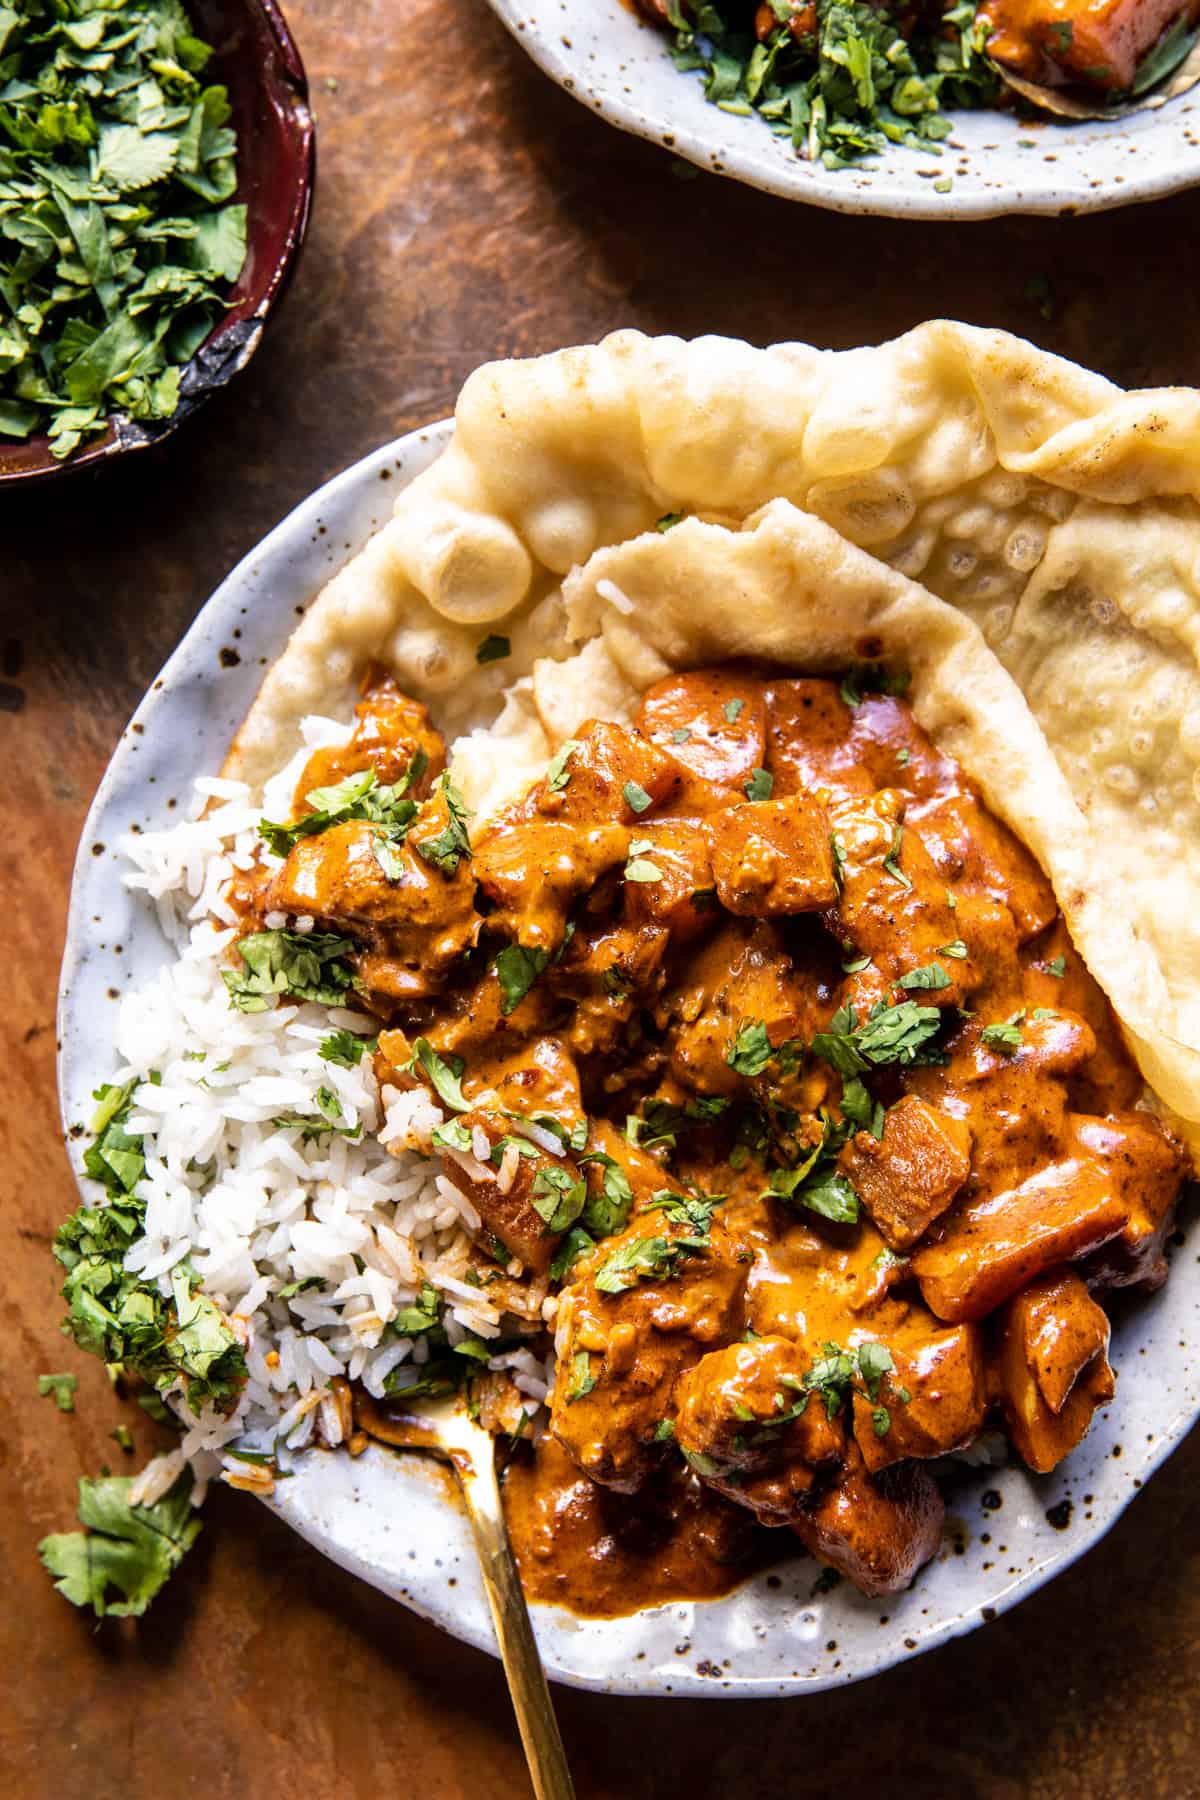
709, 912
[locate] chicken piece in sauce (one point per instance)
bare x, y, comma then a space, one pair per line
1094, 43
1051, 1367
791, 1271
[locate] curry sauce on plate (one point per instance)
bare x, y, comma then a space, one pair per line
766, 1065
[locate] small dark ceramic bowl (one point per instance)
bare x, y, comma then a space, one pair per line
256, 58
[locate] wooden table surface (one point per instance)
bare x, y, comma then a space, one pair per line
466, 209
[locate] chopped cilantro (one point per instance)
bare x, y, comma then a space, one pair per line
668, 520
664, 1431
816, 1183
955, 948
517, 968
573, 1137
891, 861
452, 1134
557, 1197
581, 1380
638, 868
577, 1243
638, 1259
636, 797
423, 1315
292, 1288
930, 976
1058, 967
839, 1373
607, 1211
63, 1389
117, 242
750, 1051
857, 1106
285, 962
1006, 1036
732, 710
113, 1312
359, 796
759, 786
346, 1048
557, 773
126, 1549
889, 1034
443, 1074
680, 735
446, 850
663, 1121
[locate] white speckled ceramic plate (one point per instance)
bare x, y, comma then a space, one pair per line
389, 1518
609, 59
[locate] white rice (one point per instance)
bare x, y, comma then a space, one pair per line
254, 1204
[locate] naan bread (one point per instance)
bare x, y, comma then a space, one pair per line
1020, 533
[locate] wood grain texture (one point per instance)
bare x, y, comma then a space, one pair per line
466, 209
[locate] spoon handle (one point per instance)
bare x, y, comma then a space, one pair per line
518, 1647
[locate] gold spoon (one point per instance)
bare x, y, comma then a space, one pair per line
442, 1427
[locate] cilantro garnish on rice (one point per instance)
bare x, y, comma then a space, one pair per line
183, 1340
116, 242
848, 87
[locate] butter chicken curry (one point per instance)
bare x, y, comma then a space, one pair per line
766, 1064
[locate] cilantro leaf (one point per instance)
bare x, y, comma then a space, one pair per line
577, 1243
750, 1051
636, 797
858, 1107
638, 1259
446, 850
557, 773
419, 1318
517, 968
931, 976
1005, 1036
608, 1210
443, 1074
890, 1034
817, 1184
359, 796
63, 1389
304, 967
759, 785
129, 1549
346, 1048
581, 1381
557, 1197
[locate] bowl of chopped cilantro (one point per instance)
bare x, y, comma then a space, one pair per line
948, 109
156, 170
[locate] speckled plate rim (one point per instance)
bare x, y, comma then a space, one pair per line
391, 1520
617, 65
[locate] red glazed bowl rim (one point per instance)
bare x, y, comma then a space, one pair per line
280, 83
